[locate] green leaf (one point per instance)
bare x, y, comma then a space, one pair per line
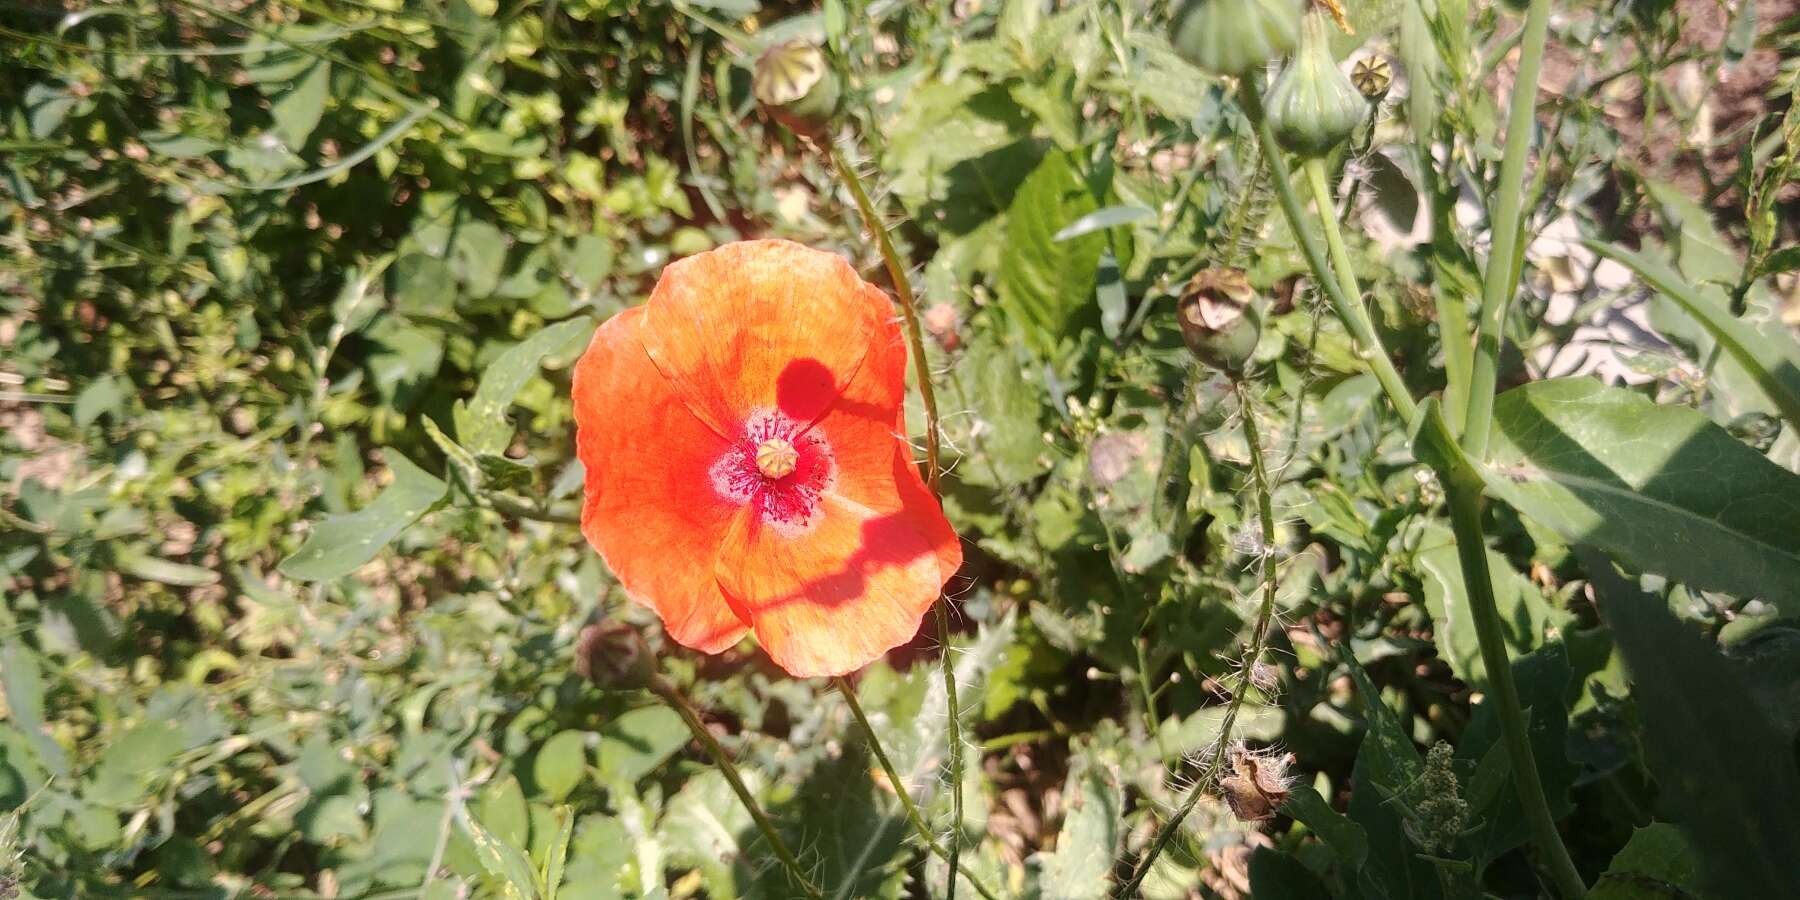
1081, 865
104, 395
1656, 864
1278, 876
1542, 678
297, 110
423, 286
705, 826
503, 811
1725, 774
1770, 356
340, 544
561, 763
502, 859
477, 257
636, 743
1662, 487
130, 761
135, 563
1345, 838
1102, 219
482, 426
1386, 764
1524, 613
1786, 259
1046, 285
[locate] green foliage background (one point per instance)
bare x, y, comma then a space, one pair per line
288, 297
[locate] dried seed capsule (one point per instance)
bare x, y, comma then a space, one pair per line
1313, 106
1232, 37
1220, 319
796, 87
1373, 75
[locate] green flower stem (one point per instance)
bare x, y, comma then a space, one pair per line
1464, 496
900, 789
1500, 279
1349, 307
915, 339
666, 689
1259, 639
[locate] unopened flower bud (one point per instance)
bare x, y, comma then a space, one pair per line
796, 87
1313, 106
612, 655
1219, 319
1232, 37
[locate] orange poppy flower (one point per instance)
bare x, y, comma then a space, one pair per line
743, 433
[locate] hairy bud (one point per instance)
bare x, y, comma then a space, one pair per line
612, 655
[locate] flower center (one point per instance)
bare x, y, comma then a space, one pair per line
778, 468
776, 458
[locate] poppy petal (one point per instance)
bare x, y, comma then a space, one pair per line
759, 325
866, 428
651, 508
837, 596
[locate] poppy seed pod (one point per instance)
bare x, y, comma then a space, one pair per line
1314, 106
796, 87
1232, 37
1219, 319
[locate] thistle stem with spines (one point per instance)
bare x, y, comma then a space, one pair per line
1259, 639
893, 775
672, 695
915, 339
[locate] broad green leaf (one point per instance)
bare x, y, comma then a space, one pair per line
130, 761
340, 544
1725, 774
1346, 838
1662, 487
1657, 863
297, 110
503, 811
482, 426
636, 743
1770, 355
1542, 678
505, 861
1046, 286
1081, 865
561, 764
478, 256
1386, 764
422, 285
104, 395
1276, 875
706, 828
1524, 613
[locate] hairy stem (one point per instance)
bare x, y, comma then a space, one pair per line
915, 339
672, 695
1348, 307
1259, 639
1464, 496
900, 788
1500, 278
